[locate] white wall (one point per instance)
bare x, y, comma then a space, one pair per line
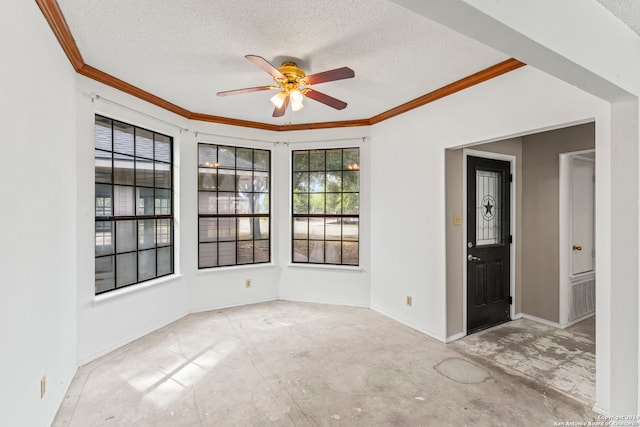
37, 200
408, 188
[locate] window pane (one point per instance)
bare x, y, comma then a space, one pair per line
261, 182
227, 157
123, 202
244, 158
261, 251
351, 203
245, 252
163, 202
104, 238
207, 179
351, 181
146, 264
163, 175
334, 160
162, 148
301, 251
145, 201
351, 158
227, 253
163, 232
208, 229
316, 251
333, 253
207, 255
316, 204
301, 203
261, 160
301, 182
350, 253
316, 228
125, 236
123, 138
334, 203
103, 200
243, 203
226, 203
350, 229
102, 133
207, 155
226, 180
207, 202
245, 228
226, 229
333, 229
300, 160
334, 182
316, 160
144, 143
316, 182
144, 173
103, 166
244, 181
146, 233
127, 269
105, 280
165, 261
261, 228
261, 203
123, 168
301, 228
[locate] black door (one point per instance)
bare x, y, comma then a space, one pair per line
488, 212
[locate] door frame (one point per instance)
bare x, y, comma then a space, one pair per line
564, 238
512, 228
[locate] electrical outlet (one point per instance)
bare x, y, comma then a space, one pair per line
247, 283
409, 300
43, 386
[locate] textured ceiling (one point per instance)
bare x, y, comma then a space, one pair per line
628, 11
186, 51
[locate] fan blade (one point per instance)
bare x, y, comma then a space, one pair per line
329, 76
246, 90
279, 112
325, 99
265, 65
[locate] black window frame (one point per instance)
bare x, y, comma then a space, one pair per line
107, 221
337, 218
233, 199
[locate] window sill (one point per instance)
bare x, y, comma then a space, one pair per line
210, 270
346, 268
109, 296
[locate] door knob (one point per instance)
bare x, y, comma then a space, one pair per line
577, 247
473, 258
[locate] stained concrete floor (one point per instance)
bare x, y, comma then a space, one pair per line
562, 359
300, 364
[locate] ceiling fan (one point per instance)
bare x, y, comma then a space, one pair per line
293, 85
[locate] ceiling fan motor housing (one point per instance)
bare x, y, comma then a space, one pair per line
294, 76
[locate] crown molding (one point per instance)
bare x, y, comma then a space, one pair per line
52, 13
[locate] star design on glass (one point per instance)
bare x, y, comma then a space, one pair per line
487, 206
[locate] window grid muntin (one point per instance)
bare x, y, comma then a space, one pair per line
222, 163
114, 219
313, 160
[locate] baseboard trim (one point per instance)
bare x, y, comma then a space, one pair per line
541, 320
455, 337
60, 398
409, 324
232, 305
599, 410
128, 340
341, 303
578, 320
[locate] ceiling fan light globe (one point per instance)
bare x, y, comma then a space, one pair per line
278, 99
296, 106
296, 96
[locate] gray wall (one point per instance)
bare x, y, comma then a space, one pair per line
540, 230
536, 220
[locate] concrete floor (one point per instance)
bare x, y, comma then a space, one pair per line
286, 364
562, 359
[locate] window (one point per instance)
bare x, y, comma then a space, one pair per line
133, 205
233, 206
326, 199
